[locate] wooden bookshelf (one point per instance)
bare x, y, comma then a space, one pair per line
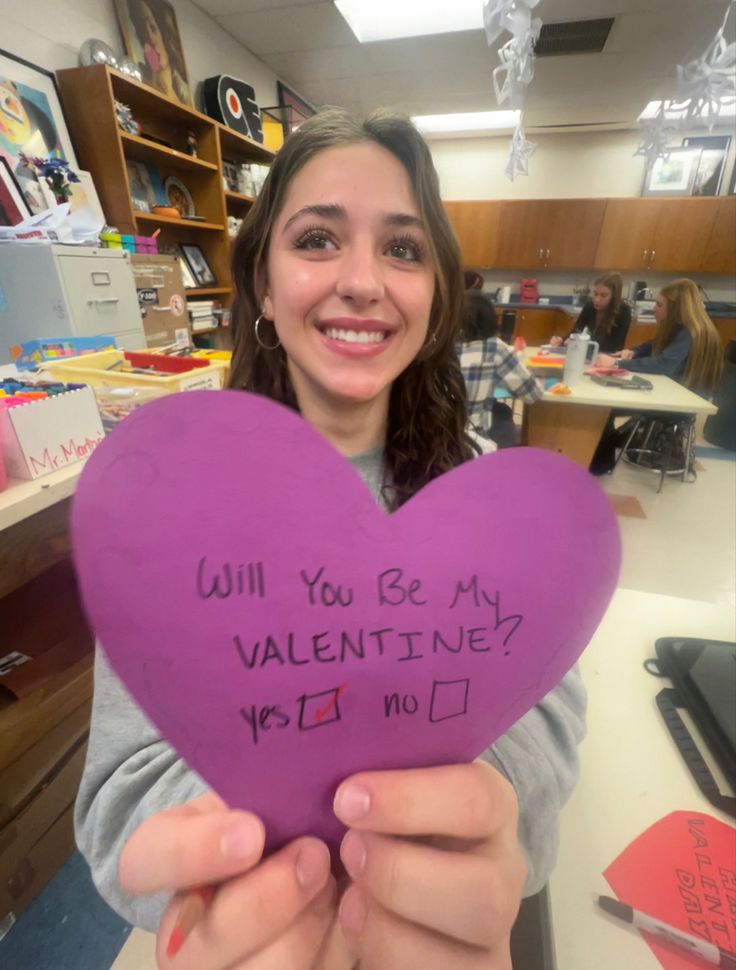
88, 95
238, 199
183, 223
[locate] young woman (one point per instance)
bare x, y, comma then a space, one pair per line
606, 317
686, 345
488, 363
349, 300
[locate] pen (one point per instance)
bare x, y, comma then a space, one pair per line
190, 913
691, 944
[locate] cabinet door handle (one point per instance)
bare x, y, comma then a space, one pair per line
107, 299
540, 254
548, 254
653, 256
645, 255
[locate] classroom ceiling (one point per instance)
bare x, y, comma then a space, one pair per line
310, 47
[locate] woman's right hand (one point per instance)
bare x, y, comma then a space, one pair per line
266, 914
556, 341
625, 355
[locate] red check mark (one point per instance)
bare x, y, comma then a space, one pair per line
321, 713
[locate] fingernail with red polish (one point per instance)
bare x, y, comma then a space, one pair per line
352, 911
352, 802
176, 942
353, 853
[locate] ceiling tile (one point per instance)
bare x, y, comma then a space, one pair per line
306, 27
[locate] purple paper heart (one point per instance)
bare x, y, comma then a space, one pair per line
283, 632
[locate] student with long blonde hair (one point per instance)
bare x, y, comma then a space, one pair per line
685, 346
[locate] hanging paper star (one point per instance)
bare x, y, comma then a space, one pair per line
655, 135
708, 84
520, 150
517, 64
511, 15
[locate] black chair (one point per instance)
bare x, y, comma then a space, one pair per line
720, 429
662, 442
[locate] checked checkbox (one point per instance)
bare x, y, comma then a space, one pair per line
449, 699
317, 710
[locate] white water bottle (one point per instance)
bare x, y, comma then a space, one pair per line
581, 350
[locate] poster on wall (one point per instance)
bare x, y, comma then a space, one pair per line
31, 119
674, 174
709, 175
151, 38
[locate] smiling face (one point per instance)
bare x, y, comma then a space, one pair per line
349, 282
601, 296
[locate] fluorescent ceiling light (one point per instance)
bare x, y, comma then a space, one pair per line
674, 112
386, 19
469, 121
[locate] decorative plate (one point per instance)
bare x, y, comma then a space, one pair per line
179, 196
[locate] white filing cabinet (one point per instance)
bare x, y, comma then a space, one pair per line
61, 291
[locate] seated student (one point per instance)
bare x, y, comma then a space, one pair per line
606, 317
685, 347
488, 363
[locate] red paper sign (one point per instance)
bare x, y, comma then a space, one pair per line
682, 871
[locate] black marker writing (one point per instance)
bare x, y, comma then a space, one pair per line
230, 580
326, 594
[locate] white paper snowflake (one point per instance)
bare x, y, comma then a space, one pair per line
708, 84
520, 151
511, 15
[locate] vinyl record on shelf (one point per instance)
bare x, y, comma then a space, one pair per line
178, 195
233, 102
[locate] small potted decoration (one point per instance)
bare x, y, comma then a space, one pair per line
55, 172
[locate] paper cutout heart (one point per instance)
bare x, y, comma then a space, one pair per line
277, 692
682, 870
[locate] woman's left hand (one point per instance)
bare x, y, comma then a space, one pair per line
606, 360
436, 867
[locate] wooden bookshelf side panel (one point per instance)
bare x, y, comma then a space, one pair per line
88, 105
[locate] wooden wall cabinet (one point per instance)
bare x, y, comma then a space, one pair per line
660, 235
88, 95
549, 233
476, 226
677, 235
720, 250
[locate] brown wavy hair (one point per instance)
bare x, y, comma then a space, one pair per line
427, 411
685, 308
615, 283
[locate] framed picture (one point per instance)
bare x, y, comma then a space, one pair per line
31, 117
296, 109
198, 265
230, 172
151, 38
709, 176
186, 274
13, 207
673, 175
146, 187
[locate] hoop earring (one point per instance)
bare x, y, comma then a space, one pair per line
258, 336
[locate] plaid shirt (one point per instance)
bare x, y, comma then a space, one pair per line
490, 364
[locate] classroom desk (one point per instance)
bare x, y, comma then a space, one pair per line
572, 425
631, 776
631, 773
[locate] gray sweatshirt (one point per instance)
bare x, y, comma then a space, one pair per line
131, 773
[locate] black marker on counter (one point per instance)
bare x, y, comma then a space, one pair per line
670, 934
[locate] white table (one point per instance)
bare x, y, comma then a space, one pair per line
631, 776
632, 773
572, 424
